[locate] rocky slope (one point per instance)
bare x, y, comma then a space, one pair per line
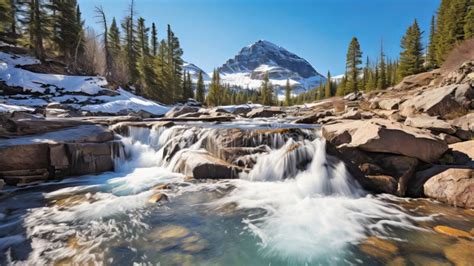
396, 140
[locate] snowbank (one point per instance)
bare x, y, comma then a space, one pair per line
6, 108
86, 93
126, 101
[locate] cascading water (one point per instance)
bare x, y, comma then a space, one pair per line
296, 205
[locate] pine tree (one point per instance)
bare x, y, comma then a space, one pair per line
469, 20
341, 88
411, 57
200, 89
174, 64
37, 27
131, 48
4, 14
154, 39
431, 53
288, 93
454, 20
148, 83
187, 86
366, 72
328, 88
353, 60
382, 81
163, 74
68, 35
266, 91
214, 95
114, 40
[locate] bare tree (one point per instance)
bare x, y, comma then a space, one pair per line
93, 60
108, 58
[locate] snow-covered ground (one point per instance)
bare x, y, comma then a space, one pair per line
82, 93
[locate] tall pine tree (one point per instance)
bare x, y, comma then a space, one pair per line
287, 93
411, 56
200, 89
353, 61
431, 53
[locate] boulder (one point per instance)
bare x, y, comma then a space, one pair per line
378, 135
400, 167
90, 158
313, 118
449, 139
264, 112
417, 80
201, 165
181, 110
430, 123
465, 122
415, 185
465, 148
19, 157
389, 104
11, 127
87, 149
436, 102
352, 114
382, 184
453, 186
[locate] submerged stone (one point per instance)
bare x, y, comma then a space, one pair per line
157, 198
379, 248
442, 229
460, 253
169, 232
421, 260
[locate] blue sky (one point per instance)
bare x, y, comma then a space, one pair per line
212, 31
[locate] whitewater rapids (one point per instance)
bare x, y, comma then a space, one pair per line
291, 215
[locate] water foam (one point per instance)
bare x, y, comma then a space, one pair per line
314, 216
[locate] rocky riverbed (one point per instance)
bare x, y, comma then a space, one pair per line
379, 178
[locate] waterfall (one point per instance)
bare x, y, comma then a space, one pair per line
300, 204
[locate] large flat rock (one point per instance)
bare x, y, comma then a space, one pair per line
379, 135
83, 133
86, 149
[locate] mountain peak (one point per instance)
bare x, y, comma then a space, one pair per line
264, 43
267, 53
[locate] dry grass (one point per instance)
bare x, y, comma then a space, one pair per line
461, 53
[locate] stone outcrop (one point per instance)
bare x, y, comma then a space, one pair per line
430, 123
453, 186
181, 110
12, 125
202, 165
378, 135
264, 112
445, 102
81, 150
313, 118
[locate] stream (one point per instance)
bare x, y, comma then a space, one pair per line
296, 205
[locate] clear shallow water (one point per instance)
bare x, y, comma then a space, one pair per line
320, 216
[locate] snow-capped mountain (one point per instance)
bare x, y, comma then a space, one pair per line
194, 71
249, 66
